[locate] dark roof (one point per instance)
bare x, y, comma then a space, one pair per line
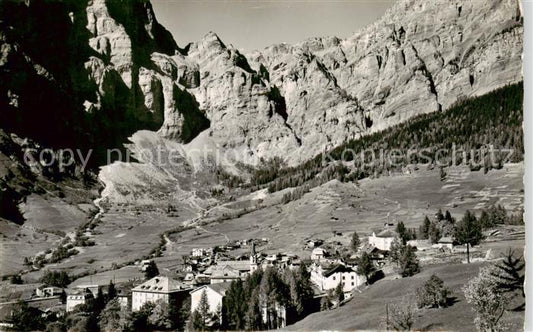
446, 239
161, 284
219, 287
337, 269
369, 248
387, 233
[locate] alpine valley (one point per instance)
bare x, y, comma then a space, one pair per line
241, 140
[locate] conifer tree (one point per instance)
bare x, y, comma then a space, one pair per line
111, 291
339, 292
424, 228
468, 231
365, 266
409, 264
509, 273
203, 309
355, 242
151, 270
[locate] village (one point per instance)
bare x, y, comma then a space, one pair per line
333, 273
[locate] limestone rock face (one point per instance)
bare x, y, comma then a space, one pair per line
294, 101
90, 74
109, 66
420, 57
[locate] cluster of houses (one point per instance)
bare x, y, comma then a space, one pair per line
211, 270
210, 266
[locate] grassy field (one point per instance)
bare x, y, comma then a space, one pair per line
127, 233
48, 219
367, 310
51, 214
123, 236
345, 207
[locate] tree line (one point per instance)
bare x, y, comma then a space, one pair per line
492, 119
257, 302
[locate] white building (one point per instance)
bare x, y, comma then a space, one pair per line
329, 278
445, 242
78, 297
420, 245
227, 271
144, 264
48, 291
215, 294
157, 288
318, 254
125, 301
201, 252
253, 259
382, 240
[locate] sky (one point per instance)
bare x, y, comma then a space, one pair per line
253, 24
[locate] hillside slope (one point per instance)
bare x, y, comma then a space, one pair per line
366, 311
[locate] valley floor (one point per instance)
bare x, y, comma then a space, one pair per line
332, 212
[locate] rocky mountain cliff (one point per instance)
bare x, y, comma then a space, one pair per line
420, 57
88, 73
93, 72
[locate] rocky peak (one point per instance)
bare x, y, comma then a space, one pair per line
419, 57
125, 72
109, 69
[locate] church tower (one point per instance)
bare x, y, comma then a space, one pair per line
253, 258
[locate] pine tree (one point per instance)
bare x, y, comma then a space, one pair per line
448, 217
402, 232
395, 251
151, 270
339, 292
424, 228
100, 301
290, 280
63, 297
434, 233
305, 287
253, 315
409, 264
468, 231
355, 242
509, 273
111, 291
273, 292
197, 321
440, 216
235, 306
485, 220
203, 309
365, 266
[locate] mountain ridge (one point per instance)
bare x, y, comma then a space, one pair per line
287, 101
126, 73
